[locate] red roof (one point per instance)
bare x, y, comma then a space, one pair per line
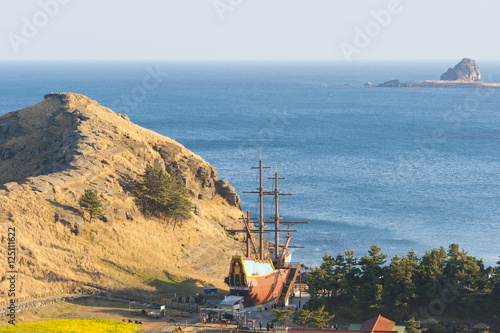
378, 324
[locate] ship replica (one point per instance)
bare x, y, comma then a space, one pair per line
266, 277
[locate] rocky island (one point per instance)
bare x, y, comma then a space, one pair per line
465, 74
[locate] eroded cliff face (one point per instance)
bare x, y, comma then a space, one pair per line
466, 70
52, 151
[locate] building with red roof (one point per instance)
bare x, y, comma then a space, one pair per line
375, 325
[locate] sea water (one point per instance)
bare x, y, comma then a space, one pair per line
402, 168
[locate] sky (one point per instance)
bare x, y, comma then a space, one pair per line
347, 30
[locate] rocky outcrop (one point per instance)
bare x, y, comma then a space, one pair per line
450, 75
70, 141
466, 70
228, 192
391, 83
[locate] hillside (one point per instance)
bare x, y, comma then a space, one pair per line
50, 152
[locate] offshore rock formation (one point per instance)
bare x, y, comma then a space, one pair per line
440, 84
465, 70
465, 74
50, 152
391, 83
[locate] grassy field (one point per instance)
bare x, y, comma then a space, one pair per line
181, 285
74, 326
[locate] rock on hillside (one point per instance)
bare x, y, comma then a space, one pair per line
465, 70
50, 152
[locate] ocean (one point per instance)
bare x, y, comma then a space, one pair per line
402, 168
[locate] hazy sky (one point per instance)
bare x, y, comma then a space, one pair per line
249, 29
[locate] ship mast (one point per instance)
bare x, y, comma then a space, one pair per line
276, 216
246, 221
261, 191
261, 204
261, 217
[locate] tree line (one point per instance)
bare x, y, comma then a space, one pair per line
442, 282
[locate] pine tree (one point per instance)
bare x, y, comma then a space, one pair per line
347, 273
432, 273
401, 276
91, 203
163, 193
373, 276
282, 316
317, 318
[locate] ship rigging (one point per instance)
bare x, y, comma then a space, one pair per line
264, 278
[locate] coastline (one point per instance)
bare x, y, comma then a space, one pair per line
440, 84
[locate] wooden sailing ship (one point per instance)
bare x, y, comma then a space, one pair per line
265, 277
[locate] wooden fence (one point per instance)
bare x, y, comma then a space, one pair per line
169, 300
70, 286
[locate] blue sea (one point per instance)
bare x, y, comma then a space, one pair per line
402, 168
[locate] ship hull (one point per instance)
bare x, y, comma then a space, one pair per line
262, 289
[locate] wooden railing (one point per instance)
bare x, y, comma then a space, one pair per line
290, 283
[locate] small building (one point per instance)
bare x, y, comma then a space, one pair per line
375, 325
232, 304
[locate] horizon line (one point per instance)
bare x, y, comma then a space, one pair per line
246, 60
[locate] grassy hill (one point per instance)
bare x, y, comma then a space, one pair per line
52, 151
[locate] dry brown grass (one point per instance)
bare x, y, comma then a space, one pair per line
140, 254
125, 255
